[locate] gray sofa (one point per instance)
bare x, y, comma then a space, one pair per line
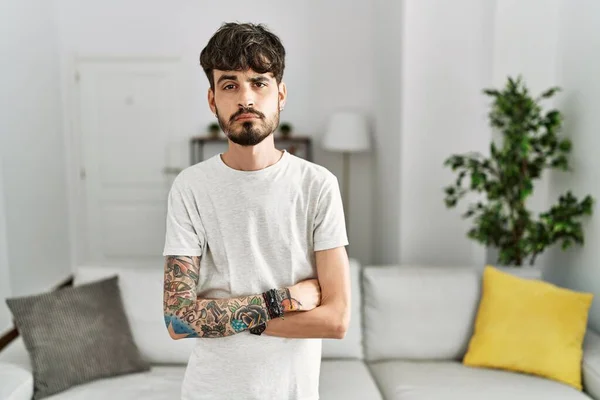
409, 330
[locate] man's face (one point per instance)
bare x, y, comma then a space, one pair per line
247, 104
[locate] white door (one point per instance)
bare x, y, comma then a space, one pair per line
132, 148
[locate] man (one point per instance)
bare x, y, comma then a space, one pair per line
256, 268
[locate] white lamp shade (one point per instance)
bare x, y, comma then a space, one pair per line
347, 131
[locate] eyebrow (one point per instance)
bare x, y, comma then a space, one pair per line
254, 79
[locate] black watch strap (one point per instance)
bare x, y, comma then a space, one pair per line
258, 329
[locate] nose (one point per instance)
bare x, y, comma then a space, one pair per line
246, 98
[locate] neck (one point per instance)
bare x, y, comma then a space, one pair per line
252, 158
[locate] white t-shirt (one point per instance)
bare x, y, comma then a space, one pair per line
254, 231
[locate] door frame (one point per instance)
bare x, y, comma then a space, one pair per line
73, 135
5, 282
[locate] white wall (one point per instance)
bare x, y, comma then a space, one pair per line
32, 149
446, 62
387, 110
341, 77
578, 64
328, 65
5, 315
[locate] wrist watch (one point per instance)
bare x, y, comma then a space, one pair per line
258, 329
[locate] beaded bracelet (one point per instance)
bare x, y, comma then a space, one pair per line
276, 305
274, 308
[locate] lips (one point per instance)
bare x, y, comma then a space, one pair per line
246, 116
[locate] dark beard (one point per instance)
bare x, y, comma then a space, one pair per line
253, 132
250, 135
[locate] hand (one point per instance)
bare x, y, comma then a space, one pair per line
304, 296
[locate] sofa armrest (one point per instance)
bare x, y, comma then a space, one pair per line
591, 364
16, 383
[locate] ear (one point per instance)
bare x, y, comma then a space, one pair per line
282, 94
211, 101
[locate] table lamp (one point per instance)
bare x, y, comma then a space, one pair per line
347, 132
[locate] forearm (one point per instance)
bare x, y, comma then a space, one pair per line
214, 318
187, 316
326, 321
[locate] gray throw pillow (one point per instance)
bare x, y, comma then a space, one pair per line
75, 335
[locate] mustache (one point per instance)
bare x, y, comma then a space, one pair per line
246, 110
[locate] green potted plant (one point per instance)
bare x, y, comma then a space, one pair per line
504, 180
285, 128
214, 130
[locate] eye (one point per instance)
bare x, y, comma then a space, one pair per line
261, 84
229, 87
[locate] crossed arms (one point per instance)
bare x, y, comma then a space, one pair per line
189, 316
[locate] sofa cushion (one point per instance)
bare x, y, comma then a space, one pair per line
419, 313
441, 380
76, 335
351, 345
142, 293
160, 383
339, 379
346, 380
16, 383
591, 363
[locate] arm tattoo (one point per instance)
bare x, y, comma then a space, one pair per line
187, 316
287, 301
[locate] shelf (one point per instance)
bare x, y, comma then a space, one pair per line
197, 144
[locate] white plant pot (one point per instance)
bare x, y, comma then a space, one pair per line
525, 271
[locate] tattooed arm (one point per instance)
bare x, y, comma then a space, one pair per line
188, 316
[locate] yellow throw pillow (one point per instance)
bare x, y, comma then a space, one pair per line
529, 326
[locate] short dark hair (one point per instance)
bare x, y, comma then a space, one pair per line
238, 47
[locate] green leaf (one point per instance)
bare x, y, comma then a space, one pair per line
565, 145
526, 191
450, 203
549, 93
553, 117
450, 190
491, 92
476, 179
560, 162
468, 213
